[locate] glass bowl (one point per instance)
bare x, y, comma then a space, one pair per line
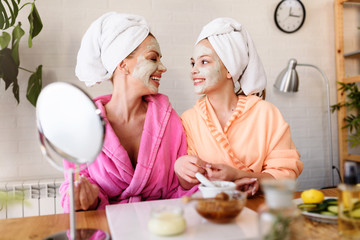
222, 210
167, 221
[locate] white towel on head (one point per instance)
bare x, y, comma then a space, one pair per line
235, 48
109, 40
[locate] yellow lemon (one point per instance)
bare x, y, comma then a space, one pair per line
312, 196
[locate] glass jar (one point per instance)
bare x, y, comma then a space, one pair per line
279, 218
349, 211
167, 221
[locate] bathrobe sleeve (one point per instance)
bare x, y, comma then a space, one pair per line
283, 160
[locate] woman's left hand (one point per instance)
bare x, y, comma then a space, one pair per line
86, 194
248, 185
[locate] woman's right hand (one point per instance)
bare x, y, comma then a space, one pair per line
86, 195
185, 168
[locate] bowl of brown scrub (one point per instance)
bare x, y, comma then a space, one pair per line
225, 207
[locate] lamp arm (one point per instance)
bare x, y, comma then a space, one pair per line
329, 115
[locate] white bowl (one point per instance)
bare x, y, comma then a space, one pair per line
221, 186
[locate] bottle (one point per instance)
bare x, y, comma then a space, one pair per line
349, 204
350, 174
279, 218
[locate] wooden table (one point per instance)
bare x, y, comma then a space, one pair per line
42, 226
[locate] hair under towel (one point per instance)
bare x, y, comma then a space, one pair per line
233, 45
108, 41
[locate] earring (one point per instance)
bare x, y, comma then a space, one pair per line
237, 86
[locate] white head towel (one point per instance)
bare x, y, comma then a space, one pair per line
108, 41
233, 45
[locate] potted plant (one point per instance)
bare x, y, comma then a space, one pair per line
352, 103
9, 47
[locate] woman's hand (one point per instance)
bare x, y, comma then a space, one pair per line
248, 185
86, 195
223, 172
185, 168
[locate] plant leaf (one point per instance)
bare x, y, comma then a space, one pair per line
5, 24
354, 139
16, 90
17, 33
34, 86
6, 198
2, 17
11, 8
35, 24
352, 103
8, 68
4, 40
14, 12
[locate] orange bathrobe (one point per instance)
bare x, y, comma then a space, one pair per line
255, 139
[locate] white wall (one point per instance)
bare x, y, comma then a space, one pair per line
176, 24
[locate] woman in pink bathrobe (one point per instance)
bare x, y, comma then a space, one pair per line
234, 133
144, 135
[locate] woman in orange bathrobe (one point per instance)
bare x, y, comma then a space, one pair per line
233, 134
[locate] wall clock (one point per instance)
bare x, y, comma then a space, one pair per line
289, 15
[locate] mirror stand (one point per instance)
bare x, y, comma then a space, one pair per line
72, 233
72, 207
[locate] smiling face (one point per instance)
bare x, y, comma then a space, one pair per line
145, 65
207, 68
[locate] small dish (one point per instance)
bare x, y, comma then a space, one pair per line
316, 216
220, 186
167, 221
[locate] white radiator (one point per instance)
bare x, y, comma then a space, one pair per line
38, 197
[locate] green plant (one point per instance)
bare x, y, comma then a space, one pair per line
352, 103
9, 55
7, 199
280, 228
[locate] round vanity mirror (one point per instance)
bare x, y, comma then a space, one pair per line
69, 123
70, 128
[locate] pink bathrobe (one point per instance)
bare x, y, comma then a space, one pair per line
163, 141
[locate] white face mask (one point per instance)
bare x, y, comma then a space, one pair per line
207, 69
144, 68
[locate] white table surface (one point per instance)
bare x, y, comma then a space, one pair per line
130, 220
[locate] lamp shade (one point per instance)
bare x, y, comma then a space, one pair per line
288, 80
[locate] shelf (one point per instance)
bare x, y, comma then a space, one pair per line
349, 1
343, 77
353, 157
352, 79
352, 54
